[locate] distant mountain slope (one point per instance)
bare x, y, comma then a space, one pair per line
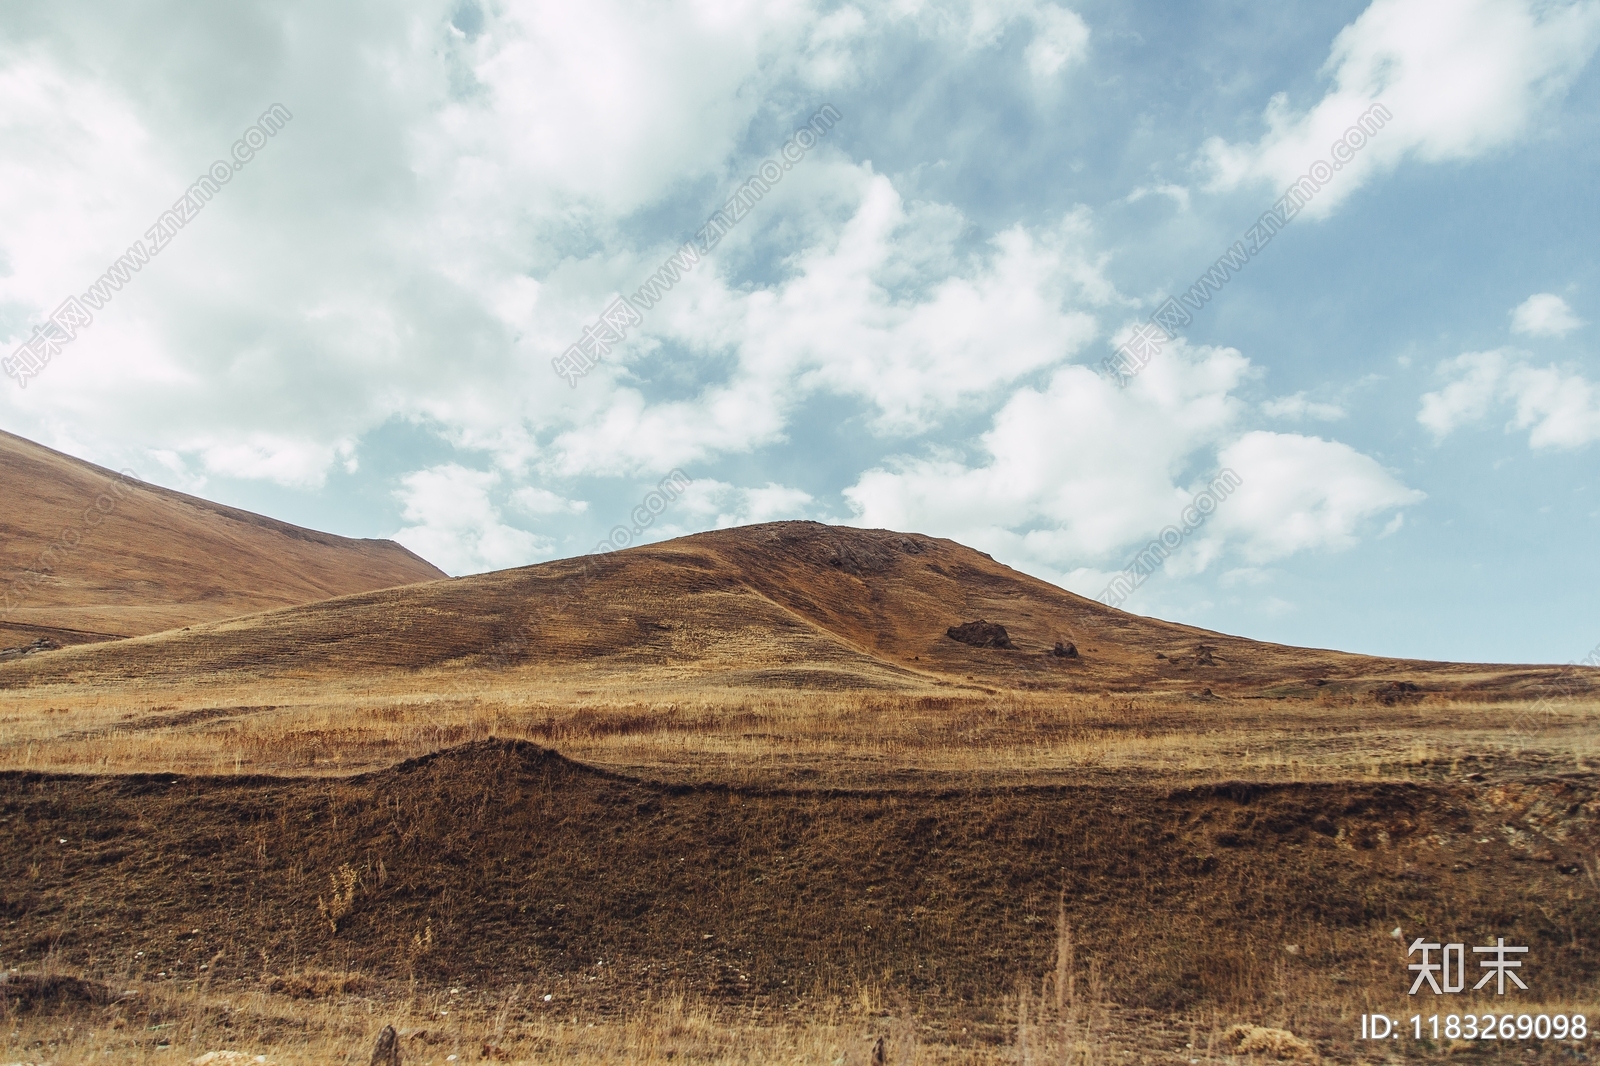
88, 555
783, 604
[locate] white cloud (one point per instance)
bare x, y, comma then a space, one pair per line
1060, 37
1178, 194
1459, 78
1559, 408
456, 526
648, 97
1301, 494
478, 192
978, 24
1076, 474
59, 131
1477, 379
1073, 471
882, 308
727, 505
283, 459
1297, 407
473, 196
451, 183
773, 502
536, 501
1544, 315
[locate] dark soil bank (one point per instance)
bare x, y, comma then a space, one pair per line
502, 863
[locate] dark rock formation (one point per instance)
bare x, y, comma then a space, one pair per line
1398, 692
42, 644
980, 634
387, 1051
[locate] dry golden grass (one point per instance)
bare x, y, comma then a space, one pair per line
439, 1028
788, 652
765, 736
671, 1032
1068, 1016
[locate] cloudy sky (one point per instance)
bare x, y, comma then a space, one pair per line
356, 332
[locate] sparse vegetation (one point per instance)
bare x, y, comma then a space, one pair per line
341, 896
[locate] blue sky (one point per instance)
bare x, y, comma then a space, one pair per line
356, 332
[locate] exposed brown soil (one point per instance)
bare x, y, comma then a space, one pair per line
89, 555
21, 993
503, 863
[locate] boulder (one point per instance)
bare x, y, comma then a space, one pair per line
980, 634
42, 644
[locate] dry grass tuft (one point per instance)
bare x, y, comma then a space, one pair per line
1246, 1039
319, 984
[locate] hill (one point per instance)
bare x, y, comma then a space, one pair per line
779, 605
91, 555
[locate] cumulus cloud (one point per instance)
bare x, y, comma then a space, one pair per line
1301, 493
455, 524
649, 97
772, 502
1074, 475
1073, 470
276, 457
1559, 408
477, 181
471, 183
1459, 79
882, 308
723, 505
518, 223
1544, 314
1475, 380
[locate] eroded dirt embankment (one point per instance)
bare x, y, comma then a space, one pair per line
502, 863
